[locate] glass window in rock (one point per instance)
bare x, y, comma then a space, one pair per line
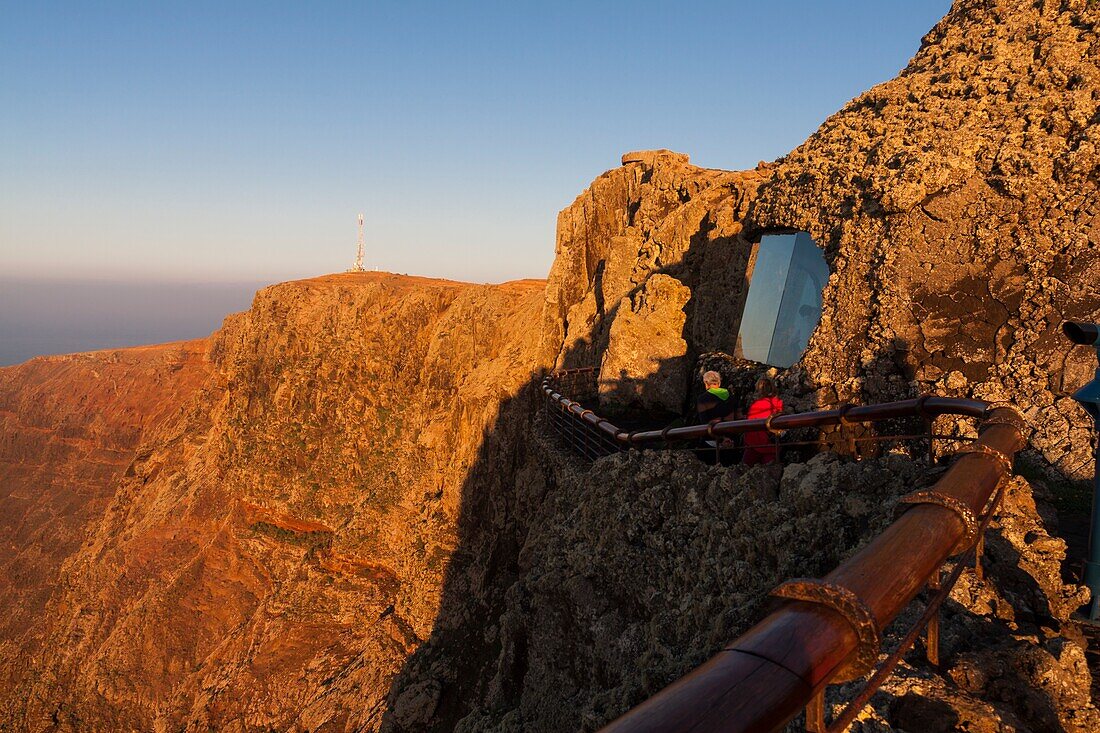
784, 302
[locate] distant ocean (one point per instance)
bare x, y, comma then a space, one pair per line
40, 317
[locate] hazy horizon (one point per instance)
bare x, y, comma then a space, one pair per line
49, 316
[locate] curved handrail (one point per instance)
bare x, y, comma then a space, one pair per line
825, 628
761, 680
927, 406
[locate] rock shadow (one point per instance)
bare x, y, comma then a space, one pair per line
426, 695
912, 711
475, 655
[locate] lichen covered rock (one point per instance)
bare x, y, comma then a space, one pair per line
636, 571
957, 208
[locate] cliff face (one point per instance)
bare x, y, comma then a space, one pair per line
336, 514
271, 556
69, 428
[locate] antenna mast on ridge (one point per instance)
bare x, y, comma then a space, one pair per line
359, 255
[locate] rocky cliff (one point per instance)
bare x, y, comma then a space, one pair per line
70, 426
956, 205
270, 554
634, 570
337, 514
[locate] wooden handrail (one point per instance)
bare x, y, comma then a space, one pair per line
763, 678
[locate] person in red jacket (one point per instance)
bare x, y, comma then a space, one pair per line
759, 444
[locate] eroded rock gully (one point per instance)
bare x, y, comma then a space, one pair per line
337, 515
69, 428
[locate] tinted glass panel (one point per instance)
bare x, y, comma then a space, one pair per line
784, 302
769, 275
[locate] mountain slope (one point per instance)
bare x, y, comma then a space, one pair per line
274, 557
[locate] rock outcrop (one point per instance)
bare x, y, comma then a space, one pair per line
957, 207
636, 569
656, 215
645, 363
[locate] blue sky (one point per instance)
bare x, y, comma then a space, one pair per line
238, 141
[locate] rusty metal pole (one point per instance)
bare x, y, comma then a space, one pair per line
570, 441
929, 424
978, 548
815, 714
828, 630
578, 446
932, 633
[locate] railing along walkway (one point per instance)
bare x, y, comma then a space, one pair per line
827, 630
591, 436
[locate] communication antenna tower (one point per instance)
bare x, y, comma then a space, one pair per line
359, 255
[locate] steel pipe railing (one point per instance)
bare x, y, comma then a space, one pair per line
927, 407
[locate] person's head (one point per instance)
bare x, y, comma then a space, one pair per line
765, 387
712, 379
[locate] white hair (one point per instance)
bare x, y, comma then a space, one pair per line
712, 378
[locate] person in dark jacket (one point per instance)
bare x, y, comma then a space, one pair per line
715, 404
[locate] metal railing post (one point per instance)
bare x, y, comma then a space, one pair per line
978, 548
932, 632
815, 713
754, 684
572, 430
929, 424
